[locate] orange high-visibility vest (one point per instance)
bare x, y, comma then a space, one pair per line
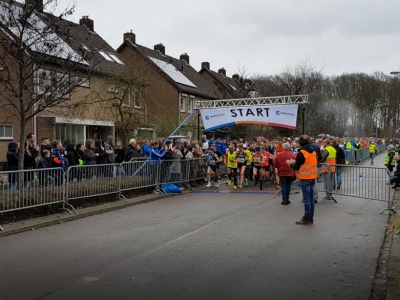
309, 169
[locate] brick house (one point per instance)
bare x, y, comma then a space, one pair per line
173, 84
93, 59
228, 87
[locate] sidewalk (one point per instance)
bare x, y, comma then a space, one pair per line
33, 224
393, 268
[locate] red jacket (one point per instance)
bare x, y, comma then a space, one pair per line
280, 163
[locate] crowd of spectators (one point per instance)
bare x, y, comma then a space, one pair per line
58, 156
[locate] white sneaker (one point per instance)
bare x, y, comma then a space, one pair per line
209, 184
216, 185
156, 192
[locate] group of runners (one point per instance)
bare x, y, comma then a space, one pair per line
250, 162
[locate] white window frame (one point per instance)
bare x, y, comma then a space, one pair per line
190, 103
127, 105
43, 84
2, 128
183, 103
112, 88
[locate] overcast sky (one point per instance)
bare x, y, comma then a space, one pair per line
264, 36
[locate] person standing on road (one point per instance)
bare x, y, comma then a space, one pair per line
390, 161
372, 151
306, 166
329, 167
395, 176
285, 172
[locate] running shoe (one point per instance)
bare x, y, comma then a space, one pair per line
246, 182
240, 186
234, 187
229, 182
216, 185
209, 184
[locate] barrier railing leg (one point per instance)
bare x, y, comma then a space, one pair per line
1, 228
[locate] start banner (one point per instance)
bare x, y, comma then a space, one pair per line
275, 115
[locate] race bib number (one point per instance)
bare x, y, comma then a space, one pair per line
212, 162
256, 159
241, 160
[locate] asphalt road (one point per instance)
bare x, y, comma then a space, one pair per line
201, 246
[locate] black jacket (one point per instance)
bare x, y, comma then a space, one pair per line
102, 158
119, 155
71, 155
29, 156
397, 170
12, 157
340, 155
131, 152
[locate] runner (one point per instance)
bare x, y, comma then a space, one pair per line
231, 163
258, 160
242, 158
212, 166
264, 171
248, 174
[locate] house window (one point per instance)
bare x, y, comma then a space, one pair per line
43, 81
6, 132
126, 98
138, 96
74, 133
190, 104
110, 57
146, 133
112, 88
183, 103
52, 83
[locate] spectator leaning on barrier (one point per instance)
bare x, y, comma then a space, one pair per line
12, 164
395, 176
131, 150
389, 161
307, 172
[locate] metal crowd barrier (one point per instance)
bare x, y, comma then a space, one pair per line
356, 181
33, 188
91, 180
358, 155
138, 174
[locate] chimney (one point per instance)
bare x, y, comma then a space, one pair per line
130, 36
222, 71
184, 57
160, 47
85, 21
236, 77
205, 65
36, 4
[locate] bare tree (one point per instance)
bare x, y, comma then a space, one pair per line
123, 98
38, 67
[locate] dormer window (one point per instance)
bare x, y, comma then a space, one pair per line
110, 57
